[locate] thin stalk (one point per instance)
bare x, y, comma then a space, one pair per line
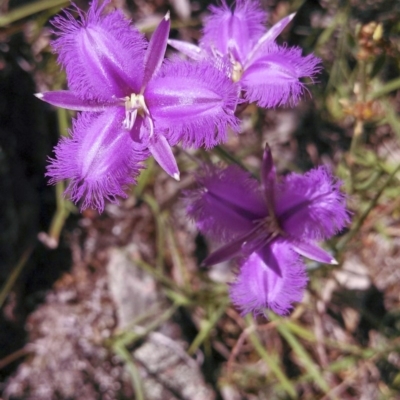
15, 356
130, 337
357, 135
177, 257
160, 237
63, 206
14, 275
144, 178
357, 225
59, 218
302, 354
152, 312
229, 157
271, 362
364, 80
156, 274
29, 9
386, 89
126, 356
206, 328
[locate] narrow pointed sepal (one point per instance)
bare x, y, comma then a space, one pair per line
224, 253
313, 252
188, 49
268, 177
140, 133
268, 38
162, 153
69, 100
156, 50
244, 244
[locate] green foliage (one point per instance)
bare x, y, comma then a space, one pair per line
326, 348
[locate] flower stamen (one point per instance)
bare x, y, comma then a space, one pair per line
134, 105
271, 226
237, 71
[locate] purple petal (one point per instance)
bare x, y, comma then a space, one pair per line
268, 38
237, 31
226, 203
311, 206
274, 79
156, 50
226, 252
102, 54
162, 152
188, 49
99, 159
69, 100
140, 133
195, 102
313, 252
273, 278
244, 245
268, 178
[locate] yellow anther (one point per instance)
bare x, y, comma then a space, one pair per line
378, 33
135, 102
134, 105
237, 71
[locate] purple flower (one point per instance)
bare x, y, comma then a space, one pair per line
269, 74
132, 103
269, 225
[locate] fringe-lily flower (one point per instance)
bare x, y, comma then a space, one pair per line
268, 74
269, 226
132, 103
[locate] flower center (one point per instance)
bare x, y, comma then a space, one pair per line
134, 105
270, 226
237, 71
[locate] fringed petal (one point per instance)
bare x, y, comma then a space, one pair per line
226, 203
234, 31
102, 54
274, 79
195, 102
274, 278
311, 206
98, 159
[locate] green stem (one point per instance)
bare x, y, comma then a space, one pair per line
159, 218
356, 227
130, 337
206, 328
228, 157
14, 275
302, 354
29, 9
273, 365
126, 356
